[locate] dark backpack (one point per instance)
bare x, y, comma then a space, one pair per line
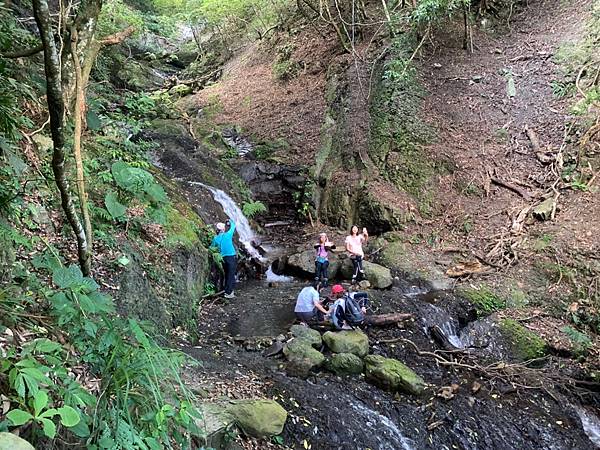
353, 312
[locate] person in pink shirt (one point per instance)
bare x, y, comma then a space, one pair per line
354, 244
322, 259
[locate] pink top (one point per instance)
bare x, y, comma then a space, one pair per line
354, 244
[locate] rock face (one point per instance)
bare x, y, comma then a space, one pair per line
9, 441
392, 375
345, 364
380, 277
303, 264
302, 357
258, 418
355, 342
313, 337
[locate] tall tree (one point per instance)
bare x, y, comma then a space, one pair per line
56, 107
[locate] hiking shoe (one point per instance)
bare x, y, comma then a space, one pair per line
346, 327
232, 295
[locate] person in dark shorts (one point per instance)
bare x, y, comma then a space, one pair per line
308, 305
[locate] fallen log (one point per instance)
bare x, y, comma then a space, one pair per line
280, 223
379, 320
511, 187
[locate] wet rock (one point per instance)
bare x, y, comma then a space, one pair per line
392, 375
355, 342
345, 364
9, 441
258, 418
275, 349
302, 357
380, 277
313, 337
525, 344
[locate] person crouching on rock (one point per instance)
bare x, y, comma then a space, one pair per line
354, 244
223, 241
308, 305
322, 259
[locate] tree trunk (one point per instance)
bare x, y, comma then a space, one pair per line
78, 114
56, 107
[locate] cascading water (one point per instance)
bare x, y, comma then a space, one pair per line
247, 236
392, 438
591, 424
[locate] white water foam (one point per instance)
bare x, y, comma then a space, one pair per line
591, 424
395, 439
272, 277
247, 236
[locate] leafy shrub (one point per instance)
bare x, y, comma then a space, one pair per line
138, 182
581, 341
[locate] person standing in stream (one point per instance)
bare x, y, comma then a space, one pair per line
354, 244
223, 241
322, 259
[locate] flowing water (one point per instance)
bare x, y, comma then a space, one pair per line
389, 436
247, 236
591, 424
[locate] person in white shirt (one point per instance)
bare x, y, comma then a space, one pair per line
354, 244
309, 306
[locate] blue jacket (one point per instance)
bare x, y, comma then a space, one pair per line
224, 241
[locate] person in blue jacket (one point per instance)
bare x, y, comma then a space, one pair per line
224, 242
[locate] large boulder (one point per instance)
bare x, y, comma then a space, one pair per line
345, 364
380, 277
303, 264
355, 342
9, 441
313, 337
392, 375
302, 357
258, 418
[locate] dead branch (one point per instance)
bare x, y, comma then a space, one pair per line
511, 187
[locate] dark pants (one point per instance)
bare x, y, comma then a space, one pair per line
357, 266
230, 268
314, 315
321, 272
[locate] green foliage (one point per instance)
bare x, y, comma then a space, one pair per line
581, 341
433, 11
484, 300
138, 182
115, 209
284, 67
251, 209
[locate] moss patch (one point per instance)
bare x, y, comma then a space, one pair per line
524, 343
485, 301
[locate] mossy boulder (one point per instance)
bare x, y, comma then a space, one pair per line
313, 337
484, 299
9, 441
345, 364
392, 375
181, 90
302, 357
258, 418
355, 342
380, 277
524, 344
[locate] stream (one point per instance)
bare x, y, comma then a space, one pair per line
348, 413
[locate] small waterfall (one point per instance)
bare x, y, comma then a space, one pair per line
449, 326
591, 424
394, 439
237, 142
247, 236
274, 278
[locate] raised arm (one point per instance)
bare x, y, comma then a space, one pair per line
229, 233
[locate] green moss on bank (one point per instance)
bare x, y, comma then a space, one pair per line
484, 300
524, 343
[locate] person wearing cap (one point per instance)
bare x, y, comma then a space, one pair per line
338, 296
223, 241
322, 259
308, 304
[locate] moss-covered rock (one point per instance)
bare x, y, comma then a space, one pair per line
303, 264
258, 418
392, 375
484, 300
9, 441
345, 364
355, 342
302, 357
313, 337
380, 277
524, 343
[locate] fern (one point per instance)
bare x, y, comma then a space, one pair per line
251, 209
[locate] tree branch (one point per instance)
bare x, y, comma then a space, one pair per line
23, 53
